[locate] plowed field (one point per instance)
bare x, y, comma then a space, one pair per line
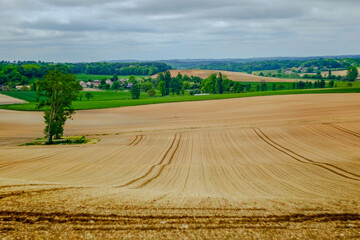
277, 167
235, 76
9, 100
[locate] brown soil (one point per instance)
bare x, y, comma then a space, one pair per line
235, 76
263, 167
4, 99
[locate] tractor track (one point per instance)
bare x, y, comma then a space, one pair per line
302, 159
137, 140
86, 221
163, 166
152, 167
343, 129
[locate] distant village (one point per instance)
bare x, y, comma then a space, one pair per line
98, 83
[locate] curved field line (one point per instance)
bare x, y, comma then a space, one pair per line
163, 166
328, 164
136, 137
287, 151
34, 159
151, 168
140, 138
137, 140
343, 129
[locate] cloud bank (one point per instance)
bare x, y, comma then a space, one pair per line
93, 30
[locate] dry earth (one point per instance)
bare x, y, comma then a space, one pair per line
9, 100
335, 73
235, 76
276, 167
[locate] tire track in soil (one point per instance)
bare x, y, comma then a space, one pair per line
27, 185
86, 221
163, 166
303, 159
343, 129
188, 170
19, 193
137, 140
151, 168
140, 138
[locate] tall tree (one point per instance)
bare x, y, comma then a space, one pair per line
167, 78
162, 88
219, 84
352, 73
56, 92
135, 90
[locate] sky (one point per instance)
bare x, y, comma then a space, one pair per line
96, 30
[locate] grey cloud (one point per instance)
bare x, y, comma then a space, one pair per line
111, 29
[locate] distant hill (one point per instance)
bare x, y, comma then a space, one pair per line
196, 63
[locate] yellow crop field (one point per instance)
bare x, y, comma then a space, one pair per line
276, 167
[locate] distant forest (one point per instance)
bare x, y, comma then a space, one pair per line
27, 72
318, 64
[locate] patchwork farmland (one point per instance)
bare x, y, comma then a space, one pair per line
261, 167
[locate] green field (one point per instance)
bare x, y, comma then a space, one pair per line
86, 77
101, 100
345, 84
97, 96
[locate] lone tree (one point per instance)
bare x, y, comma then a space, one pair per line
55, 94
352, 73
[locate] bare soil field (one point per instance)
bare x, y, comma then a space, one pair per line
276, 167
9, 100
235, 76
335, 73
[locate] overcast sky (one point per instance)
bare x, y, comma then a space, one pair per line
94, 30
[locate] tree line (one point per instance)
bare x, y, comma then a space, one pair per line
26, 73
215, 83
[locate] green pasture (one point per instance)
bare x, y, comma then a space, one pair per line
121, 99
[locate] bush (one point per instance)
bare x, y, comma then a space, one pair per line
349, 84
195, 91
151, 92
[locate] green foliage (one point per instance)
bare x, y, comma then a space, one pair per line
88, 95
135, 90
131, 79
219, 84
162, 88
352, 74
195, 91
55, 93
151, 92
208, 85
116, 85
24, 88
63, 141
146, 86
